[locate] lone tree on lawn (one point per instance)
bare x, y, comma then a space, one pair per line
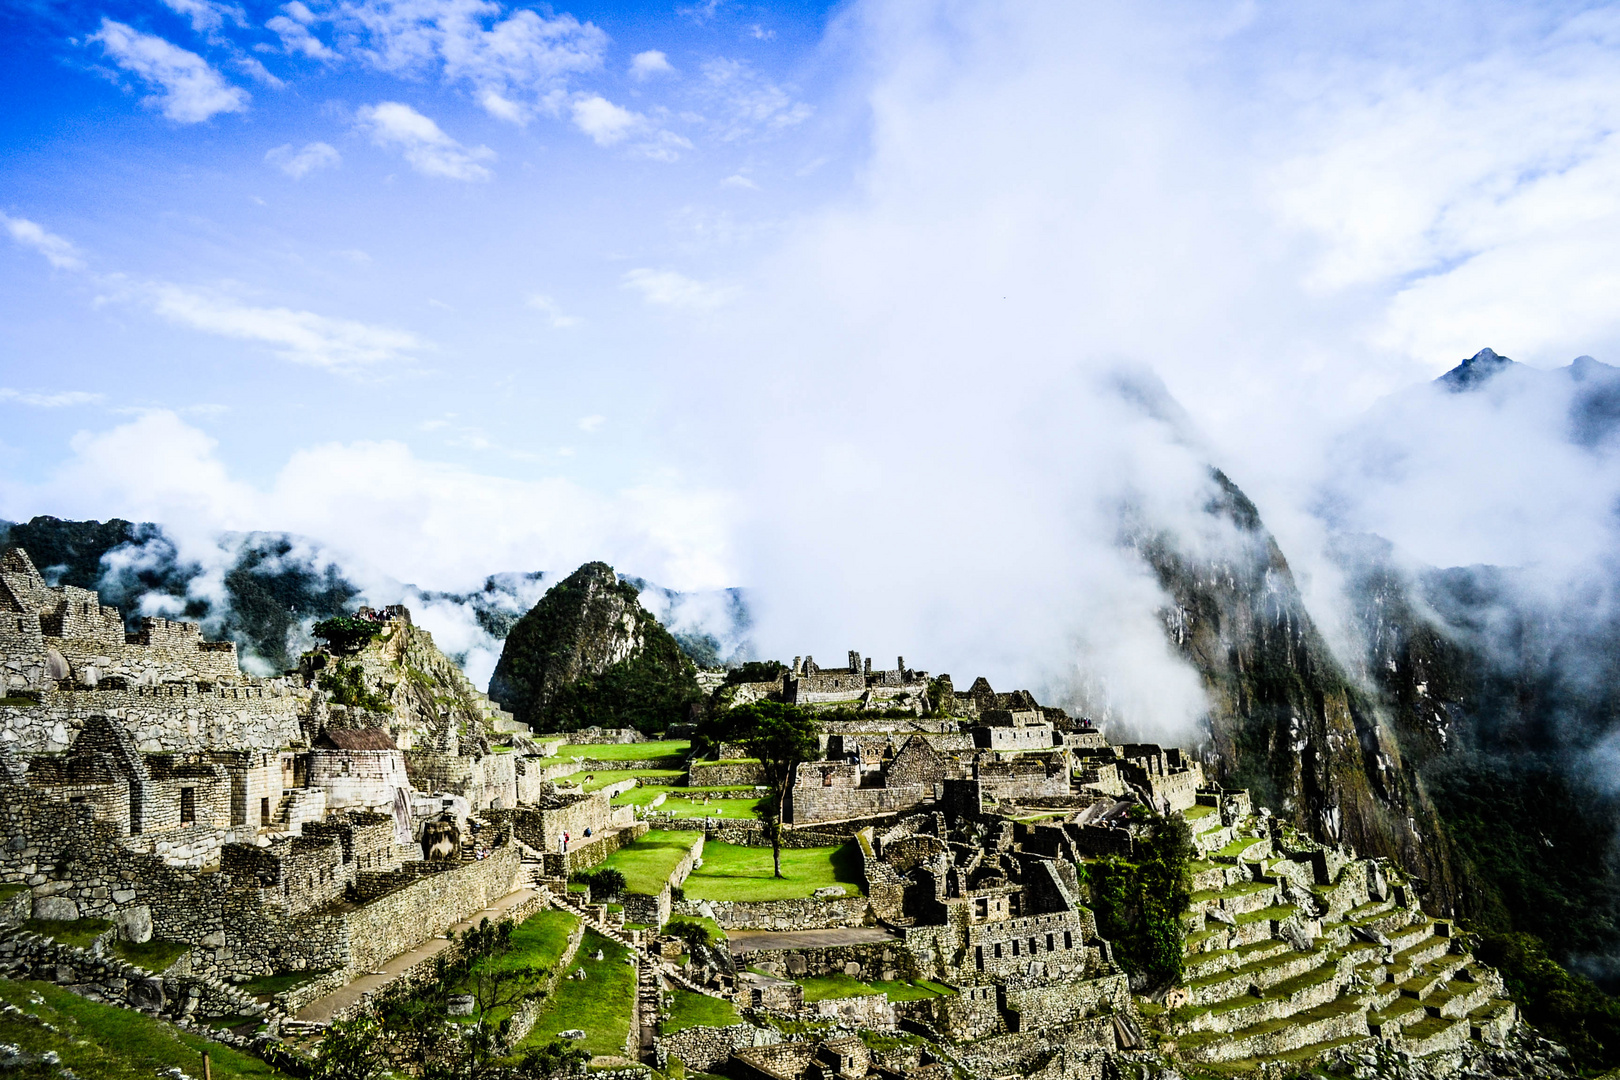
780, 736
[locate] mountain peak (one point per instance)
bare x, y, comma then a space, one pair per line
1475, 371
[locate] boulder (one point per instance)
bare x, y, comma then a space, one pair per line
55, 909
828, 892
459, 1005
134, 924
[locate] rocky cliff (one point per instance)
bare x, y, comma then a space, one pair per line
1286, 720
589, 653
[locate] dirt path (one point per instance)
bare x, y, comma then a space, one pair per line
321, 1009
749, 940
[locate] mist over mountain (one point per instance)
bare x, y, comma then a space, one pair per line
1501, 676
264, 590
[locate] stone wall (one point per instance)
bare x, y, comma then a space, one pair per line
710, 774
972, 1013
388, 926
866, 1011
886, 960
363, 779
100, 977
810, 802
162, 719
1031, 1008
704, 1048
805, 914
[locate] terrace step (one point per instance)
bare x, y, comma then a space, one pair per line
1340, 1019
1313, 988
1211, 963
1239, 899
1492, 1021
1261, 974
1433, 1034
1387, 1022
1458, 999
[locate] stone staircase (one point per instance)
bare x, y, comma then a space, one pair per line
1293, 950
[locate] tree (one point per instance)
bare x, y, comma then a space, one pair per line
780, 736
351, 1050
414, 1028
346, 635
1139, 904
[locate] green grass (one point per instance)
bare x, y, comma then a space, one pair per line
79, 932
267, 985
641, 751
745, 873
8, 891
733, 761
539, 940
599, 1004
825, 987
156, 955
647, 863
604, 777
110, 1043
679, 802
698, 1010
912, 989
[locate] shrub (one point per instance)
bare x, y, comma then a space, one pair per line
346, 684
346, 635
1139, 904
756, 671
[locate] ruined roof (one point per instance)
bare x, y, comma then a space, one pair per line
359, 739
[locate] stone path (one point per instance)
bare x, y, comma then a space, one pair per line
748, 940
320, 1010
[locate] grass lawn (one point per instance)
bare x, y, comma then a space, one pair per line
599, 1004
647, 863
266, 985
639, 751
539, 940
156, 955
745, 873
697, 1010
603, 777
824, 987
729, 809
79, 932
110, 1043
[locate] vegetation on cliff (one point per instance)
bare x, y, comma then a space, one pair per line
1139, 904
589, 654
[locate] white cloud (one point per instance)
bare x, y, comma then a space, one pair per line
57, 400
428, 149
438, 525
297, 37
503, 108
553, 311
299, 336
609, 125
300, 163
605, 122
58, 252
745, 103
207, 16
516, 58
669, 289
645, 65
739, 181
192, 91
591, 423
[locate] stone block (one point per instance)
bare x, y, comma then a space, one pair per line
55, 908
134, 924
852, 969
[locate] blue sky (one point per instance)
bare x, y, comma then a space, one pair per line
765, 293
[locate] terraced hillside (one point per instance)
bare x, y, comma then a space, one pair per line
1294, 949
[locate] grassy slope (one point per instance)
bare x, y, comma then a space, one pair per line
599, 1004
698, 1010
641, 751
745, 873
603, 777
109, 1043
647, 863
